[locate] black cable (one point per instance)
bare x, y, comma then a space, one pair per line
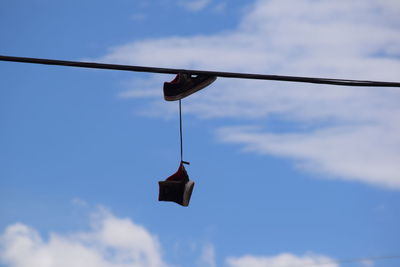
95, 65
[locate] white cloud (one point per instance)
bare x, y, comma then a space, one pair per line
350, 133
220, 7
117, 242
111, 242
194, 5
323, 150
282, 260
79, 202
367, 263
207, 258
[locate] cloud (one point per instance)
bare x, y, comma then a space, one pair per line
220, 7
368, 158
111, 242
207, 258
115, 242
118, 242
79, 202
282, 260
367, 263
194, 5
347, 133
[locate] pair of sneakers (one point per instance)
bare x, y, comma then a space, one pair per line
185, 84
177, 187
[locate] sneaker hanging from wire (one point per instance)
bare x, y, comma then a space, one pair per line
177, 187
185, 84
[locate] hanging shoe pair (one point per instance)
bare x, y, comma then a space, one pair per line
177, 188
185, 84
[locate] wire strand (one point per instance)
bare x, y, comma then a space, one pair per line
95, 65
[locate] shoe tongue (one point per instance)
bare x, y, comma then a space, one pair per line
182, 172
181, 168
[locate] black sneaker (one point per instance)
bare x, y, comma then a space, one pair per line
177, 188
184, 85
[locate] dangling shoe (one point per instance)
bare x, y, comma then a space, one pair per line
177, 188
184, 85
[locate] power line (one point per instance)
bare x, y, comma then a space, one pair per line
95, 65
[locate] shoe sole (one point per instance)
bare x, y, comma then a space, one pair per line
191, 91
188, 193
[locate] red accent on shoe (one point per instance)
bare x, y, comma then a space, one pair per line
176, 79
179, 175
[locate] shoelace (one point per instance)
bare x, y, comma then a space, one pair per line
180, 132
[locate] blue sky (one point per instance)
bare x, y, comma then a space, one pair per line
286, 174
